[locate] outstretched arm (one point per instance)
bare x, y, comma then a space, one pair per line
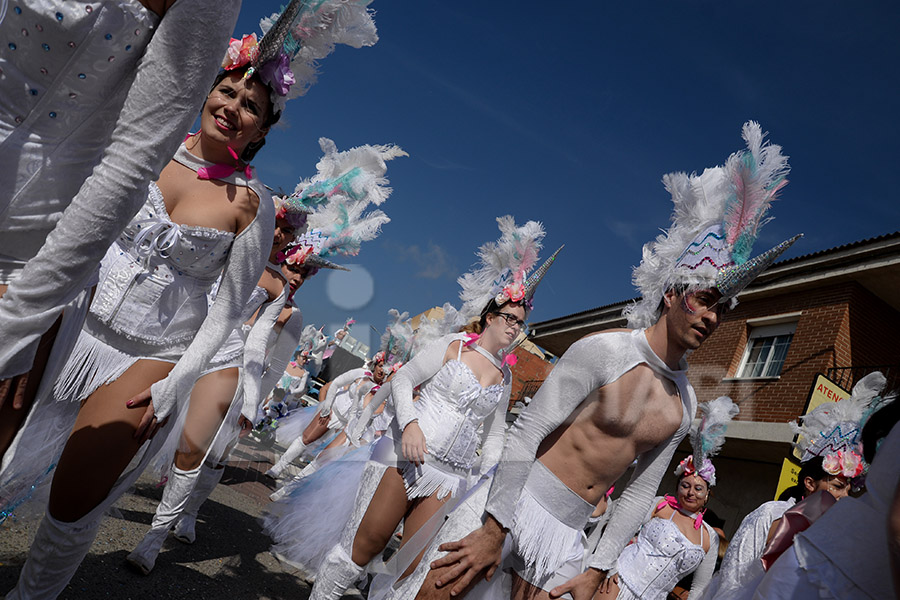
337, 384
255, 353
173, 78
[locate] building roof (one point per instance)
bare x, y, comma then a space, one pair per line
874, 263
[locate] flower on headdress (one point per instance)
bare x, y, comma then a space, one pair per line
851, 463
687, 467
241, 52
277, 74
831, 464
378, 358
396, 366
295, 256
513, 292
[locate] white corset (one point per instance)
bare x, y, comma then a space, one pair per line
451, 407
155, 278
660, 557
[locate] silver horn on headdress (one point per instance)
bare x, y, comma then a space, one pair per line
532, 282
314, 260
731, 280
273, 41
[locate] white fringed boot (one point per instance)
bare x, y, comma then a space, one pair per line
336, 573
295, 450
175, 496
206, 483
55, 554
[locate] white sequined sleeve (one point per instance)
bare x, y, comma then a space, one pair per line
280, 354
172, 81
255, 353
338, 383
425, 365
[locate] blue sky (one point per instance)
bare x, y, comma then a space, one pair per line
571, 118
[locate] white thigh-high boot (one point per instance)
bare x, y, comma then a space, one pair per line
55, 554
206, 483
175, 495
336, 573
295, 450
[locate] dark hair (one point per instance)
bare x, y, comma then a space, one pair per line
492, 308
811, 468
271, 118
279, 393
877, 427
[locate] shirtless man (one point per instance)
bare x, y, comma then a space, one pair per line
619, 395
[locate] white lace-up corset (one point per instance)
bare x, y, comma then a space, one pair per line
155, 278
660, 557
451, 407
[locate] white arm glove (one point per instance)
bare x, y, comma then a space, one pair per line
255, 353
172, 80
243, 268
281, 353
368, 413
577, 373
298, 384
427, 362
704, 572
337, 384
362, 390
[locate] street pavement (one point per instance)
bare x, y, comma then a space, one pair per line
230, 560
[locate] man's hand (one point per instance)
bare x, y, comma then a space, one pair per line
584, 586
475, 555
14, 388
413, 443
148, 426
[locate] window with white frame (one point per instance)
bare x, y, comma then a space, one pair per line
767, 347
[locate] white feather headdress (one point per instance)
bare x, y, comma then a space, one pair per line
832, 430
708, 438
503, 267
716, 220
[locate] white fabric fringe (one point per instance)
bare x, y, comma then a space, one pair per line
543, 542
424, 480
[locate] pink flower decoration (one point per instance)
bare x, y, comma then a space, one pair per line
851, 463
831, 464
510, 360
241, 52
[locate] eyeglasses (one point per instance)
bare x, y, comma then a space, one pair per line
512, 320
702, 301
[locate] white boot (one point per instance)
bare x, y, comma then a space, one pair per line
55, 554
175, 496
336, 573
295, 450
206, 483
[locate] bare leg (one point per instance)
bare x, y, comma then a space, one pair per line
102, 443
315, 430
422, 510
338, 441
522, 590
210, 401
388, 507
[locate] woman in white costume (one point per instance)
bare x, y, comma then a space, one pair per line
190, 231
94, 100
675, 541
742, 568
843, 553
464, 385
215, 395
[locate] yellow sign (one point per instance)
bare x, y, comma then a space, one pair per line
789, 471
823, 390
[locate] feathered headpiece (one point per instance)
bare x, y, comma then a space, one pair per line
502, 272
344, 186
397, 339
431, 329
293, 210
832, 430
715, 223
293, 40
707, 438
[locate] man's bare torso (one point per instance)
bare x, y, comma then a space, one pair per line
611, 427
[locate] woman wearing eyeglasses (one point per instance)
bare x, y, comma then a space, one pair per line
428, 453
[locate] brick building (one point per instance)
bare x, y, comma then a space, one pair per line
835, 312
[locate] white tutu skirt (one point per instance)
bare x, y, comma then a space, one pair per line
308, 522
291, 426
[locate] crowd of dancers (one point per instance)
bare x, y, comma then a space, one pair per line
149, 307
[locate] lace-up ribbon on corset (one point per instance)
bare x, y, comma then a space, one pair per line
154, 280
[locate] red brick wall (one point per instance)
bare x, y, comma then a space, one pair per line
840, 325
529, 367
